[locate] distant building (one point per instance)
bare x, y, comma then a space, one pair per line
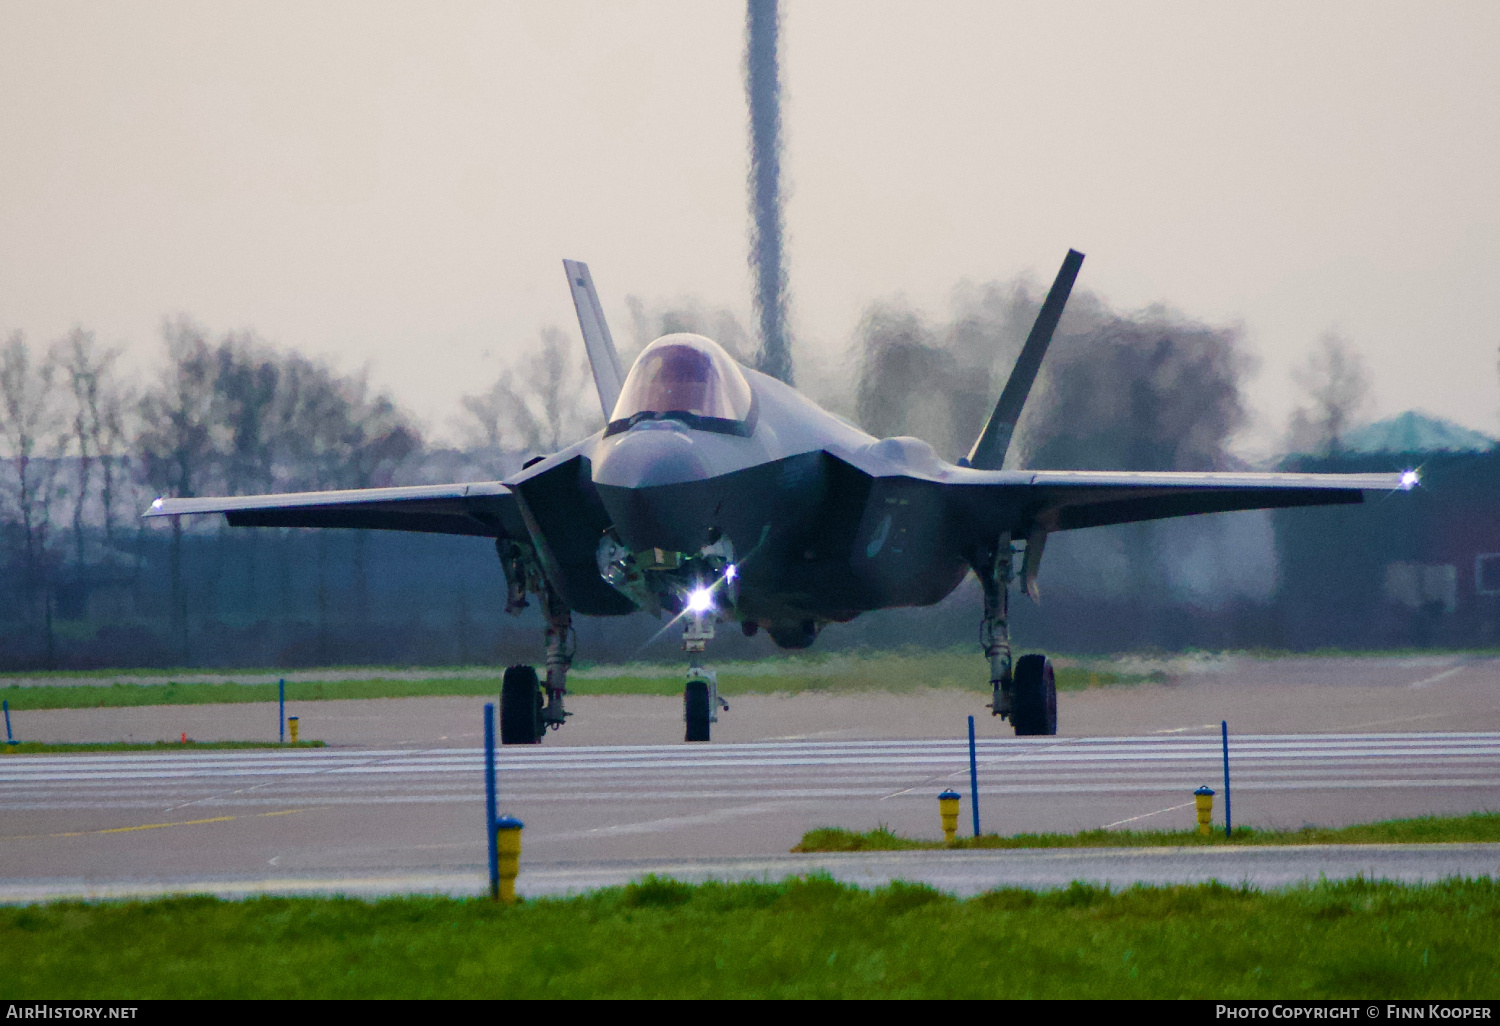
1418, 569
1413, 432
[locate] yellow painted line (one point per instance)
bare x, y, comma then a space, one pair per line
148, 826
158, 826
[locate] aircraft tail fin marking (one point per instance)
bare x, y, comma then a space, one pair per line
989, 449
609, 377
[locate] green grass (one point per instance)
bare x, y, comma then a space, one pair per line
1475, 827
45, 748
799, 938
906, 670
109, 696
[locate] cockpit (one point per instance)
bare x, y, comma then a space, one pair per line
689, 378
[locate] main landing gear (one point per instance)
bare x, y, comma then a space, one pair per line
700, 697
527, 706
1026, 692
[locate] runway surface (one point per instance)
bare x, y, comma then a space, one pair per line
242, 820
957, 872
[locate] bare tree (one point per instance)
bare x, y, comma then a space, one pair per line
177, 413
245, 387
379, 436
113, 447
541, 407
32, 428
1335, 390
329, 431
487, 424
177, 435
555, 393
88, 371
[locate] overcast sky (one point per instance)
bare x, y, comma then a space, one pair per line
394, 184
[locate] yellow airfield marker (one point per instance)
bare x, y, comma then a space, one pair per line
508, 845
948, 809
1203, 799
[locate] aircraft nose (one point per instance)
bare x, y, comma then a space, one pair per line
649, 455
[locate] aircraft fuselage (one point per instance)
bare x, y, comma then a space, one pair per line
812, 535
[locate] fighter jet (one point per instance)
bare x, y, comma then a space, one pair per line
717, 494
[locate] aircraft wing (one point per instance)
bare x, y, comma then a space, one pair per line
1032, 504
1066, 499
486, 509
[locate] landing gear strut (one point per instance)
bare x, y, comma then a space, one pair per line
1024, 691
700, 697
995, 571
527, 706
561, 644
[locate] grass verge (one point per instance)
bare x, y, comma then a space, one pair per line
1475, 827
800, 938
47, 748
903, 671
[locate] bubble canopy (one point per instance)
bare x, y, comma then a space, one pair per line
689, 378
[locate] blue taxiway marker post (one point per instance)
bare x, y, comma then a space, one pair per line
281, 710
973, 778
489, 799
8, 738
1228, 820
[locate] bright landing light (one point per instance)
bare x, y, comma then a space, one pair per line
1410, 479
731, 572
701, 600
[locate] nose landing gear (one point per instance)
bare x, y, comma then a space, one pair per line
700, 697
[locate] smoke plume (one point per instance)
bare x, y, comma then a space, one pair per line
1153, 390
651, 320
1147, 391
767, 255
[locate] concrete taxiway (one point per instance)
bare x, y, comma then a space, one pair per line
411, 819
397, 803
957, 872
1342, 694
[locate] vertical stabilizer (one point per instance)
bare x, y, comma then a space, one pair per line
989, 450
609, 377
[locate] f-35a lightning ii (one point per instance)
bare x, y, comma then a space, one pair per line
719, 494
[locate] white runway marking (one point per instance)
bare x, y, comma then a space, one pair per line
1424, 682
1145, 815
768, 771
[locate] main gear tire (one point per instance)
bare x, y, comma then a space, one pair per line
521, 707
1034, 697
696, 710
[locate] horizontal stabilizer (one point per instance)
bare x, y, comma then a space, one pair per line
990, 448
609, 376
